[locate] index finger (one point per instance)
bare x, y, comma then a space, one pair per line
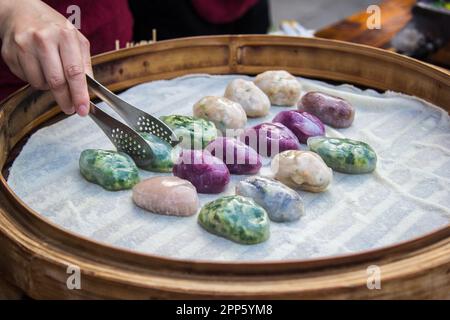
73, 64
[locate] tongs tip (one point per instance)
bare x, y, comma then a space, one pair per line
175, 140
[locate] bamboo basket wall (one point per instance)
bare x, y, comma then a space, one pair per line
36, 253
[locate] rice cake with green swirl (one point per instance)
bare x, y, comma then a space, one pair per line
236, 218
344, 155
196, 132
110, 169
164, 155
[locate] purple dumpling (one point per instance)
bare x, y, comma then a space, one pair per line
269, 139
238, 157
303, 124
207, 173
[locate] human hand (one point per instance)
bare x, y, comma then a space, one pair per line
42, 47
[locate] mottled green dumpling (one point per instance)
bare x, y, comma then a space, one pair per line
236, 218
163, 154
110, 169
196, 132
344, 155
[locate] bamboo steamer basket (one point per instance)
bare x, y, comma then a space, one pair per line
36, 253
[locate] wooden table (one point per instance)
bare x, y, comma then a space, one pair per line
395, 14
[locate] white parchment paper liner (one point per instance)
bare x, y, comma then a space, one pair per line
407, 196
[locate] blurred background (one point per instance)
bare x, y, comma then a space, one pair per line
175, 18
417, 28
318, 13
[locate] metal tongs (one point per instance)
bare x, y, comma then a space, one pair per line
126, 138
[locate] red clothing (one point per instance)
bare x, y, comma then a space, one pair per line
102, 22
222, 11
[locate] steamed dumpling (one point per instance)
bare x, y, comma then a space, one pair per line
110, 169
282, 203
224, 113
166, 195
303, 170
282, 88
249, 96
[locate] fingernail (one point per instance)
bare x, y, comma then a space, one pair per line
69, 111
82, 110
